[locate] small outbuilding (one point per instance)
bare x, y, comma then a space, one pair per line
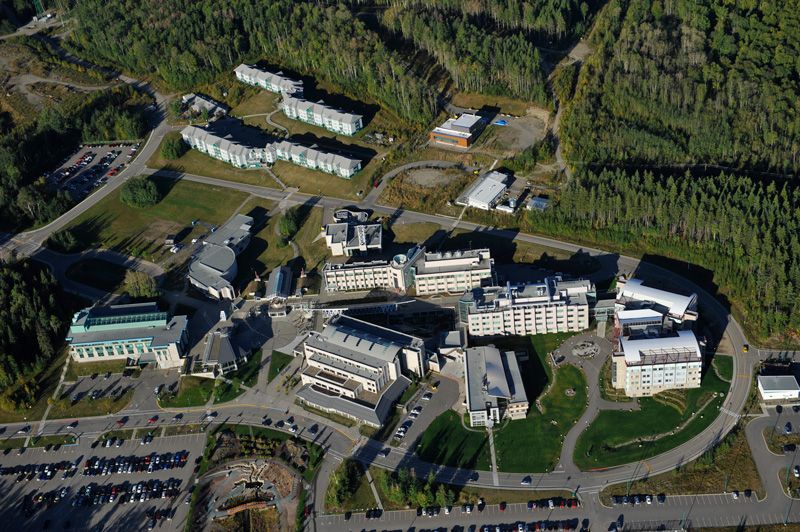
778, 388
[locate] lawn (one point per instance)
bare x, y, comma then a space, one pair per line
265, 251
728, 467
193, 391
99, 274
277, 362
88, 407
227, 391
247, 375
724, 366
507, 250
414, 233
81, 369
197, 163
361, 499
447, 442
112, 224
261, 102
53, 439
613, 437
320, 183
545, 429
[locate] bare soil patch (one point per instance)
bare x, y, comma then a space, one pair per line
431, 177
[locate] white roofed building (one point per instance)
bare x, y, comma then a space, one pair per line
646, 365
494, 388
271, 81
778, 388
632, 293
485, 191
453, 271
321, 115
225, 147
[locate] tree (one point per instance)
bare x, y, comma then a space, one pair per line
140, 192
289, 224
140, 285
173, 147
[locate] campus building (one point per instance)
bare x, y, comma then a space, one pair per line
646, 365
485, 191
356, 369
221, 143
458, 132
198, 103
222, 354
319, 114
214, 267
551, 306
493, 385
633, 294
347, 239
778, 388
137, 333
395, 274
453, 271
311, 157
271, 81
225, 147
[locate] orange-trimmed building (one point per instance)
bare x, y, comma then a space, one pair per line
458, 132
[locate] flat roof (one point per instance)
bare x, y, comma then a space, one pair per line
124, 323
639, 314
676, 304
661, 350
355, 236
466, 120
374, 414
778, 383
491, 374
487, 188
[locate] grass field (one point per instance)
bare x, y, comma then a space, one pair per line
12, 443
724, 366
247, 374
112, 224
99, 274
614, 437
227, 391
729, 467
52, 439
180, 430
77, 370
277, 363
511, 106
546, 429
197, 163
316, 182
447, 442
362, 499
193, 391
87, 406
261, 102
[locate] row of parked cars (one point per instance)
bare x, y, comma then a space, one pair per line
27, 472
95, 494
548, 524
635, 500
134, 464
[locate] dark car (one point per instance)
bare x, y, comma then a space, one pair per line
789, 448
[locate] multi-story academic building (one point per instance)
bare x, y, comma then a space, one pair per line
541, 308
493, 384
349, 238
213, 269
453, 271
138, 333
355, 369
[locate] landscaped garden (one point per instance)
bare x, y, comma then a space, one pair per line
663, 422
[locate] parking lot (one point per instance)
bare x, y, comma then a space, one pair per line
422, 412
90, 167
119, 490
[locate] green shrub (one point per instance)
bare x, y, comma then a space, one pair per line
139, 192
173, 147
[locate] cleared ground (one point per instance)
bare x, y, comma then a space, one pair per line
432, 177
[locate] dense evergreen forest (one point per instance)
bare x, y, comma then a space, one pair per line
542, 19
745, 231
34, 319
30, 149
690, 81
190, 42
14, 13
477, 60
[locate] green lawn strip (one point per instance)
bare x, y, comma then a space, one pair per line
12, 443
248, 372
180, 430
53, 439
88, 407
447, 442
347, 422
409, 393
790, 483
300, 517
724, 366
729, 466
546, 430
80, 369
604, 442
125, 434
141, 231
277, 363
192, 391
227, 391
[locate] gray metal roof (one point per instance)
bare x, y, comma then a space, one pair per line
122, 323
221, 348
355, 236
455, 261
212, 264
373, 414
491, 374
279, 283
778, 383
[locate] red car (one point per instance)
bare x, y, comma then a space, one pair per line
153, 419
502, 506
120, 422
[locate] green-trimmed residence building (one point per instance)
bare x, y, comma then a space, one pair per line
319, 114
137, 333
242, 155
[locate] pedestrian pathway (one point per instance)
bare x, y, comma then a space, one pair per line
495, 476
374, 489
42, 422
